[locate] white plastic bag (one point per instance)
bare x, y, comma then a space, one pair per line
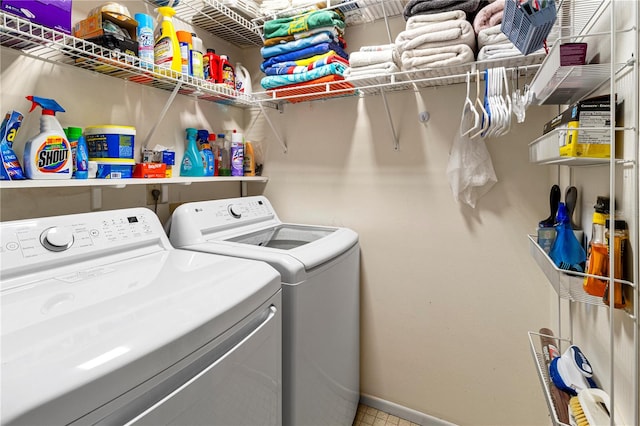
470, 170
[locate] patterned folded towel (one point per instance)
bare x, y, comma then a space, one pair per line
274, 81
294, 68
288, 26
278, 49
307, 52
420, 7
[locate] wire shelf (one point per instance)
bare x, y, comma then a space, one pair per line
56, 47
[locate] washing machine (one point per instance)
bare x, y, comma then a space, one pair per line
104, 322
319, 267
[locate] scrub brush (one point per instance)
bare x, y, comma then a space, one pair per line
589, 408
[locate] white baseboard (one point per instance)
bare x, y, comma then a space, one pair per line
403, 412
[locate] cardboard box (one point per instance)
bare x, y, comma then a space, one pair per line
55, 14
150, 170
93, 26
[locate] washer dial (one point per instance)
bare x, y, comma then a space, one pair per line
57, 238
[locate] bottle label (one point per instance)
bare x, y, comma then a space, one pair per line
184, 55
53, 155
145, 47
196, 64
163, 52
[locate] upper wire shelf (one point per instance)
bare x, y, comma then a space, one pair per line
53, 46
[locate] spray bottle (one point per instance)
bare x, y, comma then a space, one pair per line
205, 152
237, 154
192, 160
48, 154
167, 48
225, 155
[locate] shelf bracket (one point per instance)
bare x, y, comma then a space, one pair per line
396, 144
273, 129
167, 104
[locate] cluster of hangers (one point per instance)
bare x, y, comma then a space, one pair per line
492, 115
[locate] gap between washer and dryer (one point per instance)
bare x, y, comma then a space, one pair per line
369, 416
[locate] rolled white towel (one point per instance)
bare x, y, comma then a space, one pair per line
376, 69
491, 35
360, 59
437, 34
436, 57
420, 20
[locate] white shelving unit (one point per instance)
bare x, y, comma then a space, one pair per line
560, 85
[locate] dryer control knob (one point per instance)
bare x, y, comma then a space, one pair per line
233, 211
57, 239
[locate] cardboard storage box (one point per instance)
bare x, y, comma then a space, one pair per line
92, 27
54, 14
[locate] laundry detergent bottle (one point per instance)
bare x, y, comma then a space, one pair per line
192, 161
167, 48
47, 155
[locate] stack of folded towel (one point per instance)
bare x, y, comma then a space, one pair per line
436, 40
371, 61
492, 42
306, 49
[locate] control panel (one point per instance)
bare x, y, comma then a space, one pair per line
31, 241
235, 211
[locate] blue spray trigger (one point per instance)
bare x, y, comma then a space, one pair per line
45, 103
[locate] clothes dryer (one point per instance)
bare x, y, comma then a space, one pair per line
319, 267
103, 322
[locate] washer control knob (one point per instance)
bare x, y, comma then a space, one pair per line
57, 238
233, 211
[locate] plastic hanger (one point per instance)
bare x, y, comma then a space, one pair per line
468, 106
484, 123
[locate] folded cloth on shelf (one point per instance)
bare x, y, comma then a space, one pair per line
274, 81
420, 20
389, 46
292, 69
267, 7
279, 49
307, 52
372, 70
489, 16
336, 32
421, 7
361, 59
492, 35
503, 50
287, 26
306, 61
435, 34
455, 54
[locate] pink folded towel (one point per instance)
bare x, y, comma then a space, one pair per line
489, 16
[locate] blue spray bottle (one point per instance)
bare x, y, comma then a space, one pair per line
566, 252
192, 164
47, 155
11, 169
206, 152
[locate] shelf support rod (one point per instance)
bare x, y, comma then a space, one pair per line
273, 129
167, 104
396, 144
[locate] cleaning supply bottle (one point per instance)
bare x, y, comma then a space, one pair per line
167, 48
216, 154
11, 169
192, 164
47, 155
211, 64
82, 159
227, 73
185, 40
237, 154
225, 155
243, 79
566, 252
249, 160
197, 62
205, 151
145, 40
620, 244
73, 134
598, 257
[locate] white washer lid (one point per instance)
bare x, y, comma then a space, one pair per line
79, 340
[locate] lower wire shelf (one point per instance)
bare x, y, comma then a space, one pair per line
557, 408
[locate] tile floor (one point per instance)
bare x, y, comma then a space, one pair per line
369, 416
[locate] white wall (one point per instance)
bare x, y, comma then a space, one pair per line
448, 292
